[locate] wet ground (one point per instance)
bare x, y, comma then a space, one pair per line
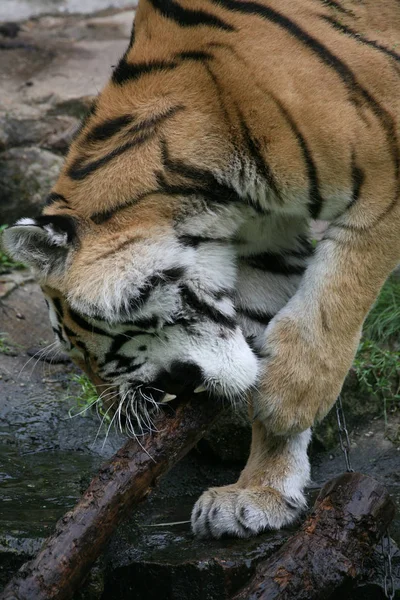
47, 459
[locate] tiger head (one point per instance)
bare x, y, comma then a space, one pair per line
134, 254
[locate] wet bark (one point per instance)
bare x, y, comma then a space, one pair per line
127, 479
349, 517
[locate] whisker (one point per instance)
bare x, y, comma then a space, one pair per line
102, 421
130, 428
41, 353
110, 425
86, 408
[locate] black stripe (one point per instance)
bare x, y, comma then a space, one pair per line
54, 197
82, 346
218, 88
186, 17
125, 71
272, 263
338, 7
316, 200
114, 374
57, 331
200, 306
196, 55
79, 171
125, 363
254, 150
167, 276
360, 38
69, 331
306, 248
223, 293
147, 322
326, 56
194, 241
155, 120
58, 307
202, 181
358, 178
117, 343
164, 188
108, 129
261, 317
83, 324
102, 217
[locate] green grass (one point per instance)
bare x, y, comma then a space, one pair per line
85, 397
7, 263
383, 322
377, 363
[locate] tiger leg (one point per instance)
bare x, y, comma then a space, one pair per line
310, 345
268, 494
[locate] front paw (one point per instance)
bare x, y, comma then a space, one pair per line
241, 512
300, 381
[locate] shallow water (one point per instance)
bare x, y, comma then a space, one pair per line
18, 10
38, 487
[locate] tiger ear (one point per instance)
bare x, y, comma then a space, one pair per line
42, 243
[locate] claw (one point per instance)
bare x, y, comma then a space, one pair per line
168, 398
200, 389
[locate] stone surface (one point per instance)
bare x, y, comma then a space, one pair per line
51, 132
51, 68
26, 176
58, 59
16, 10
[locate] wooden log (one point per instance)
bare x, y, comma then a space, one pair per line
349, 517
81, 535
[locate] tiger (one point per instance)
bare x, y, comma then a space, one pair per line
175, 249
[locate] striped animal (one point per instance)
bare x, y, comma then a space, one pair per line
174, 248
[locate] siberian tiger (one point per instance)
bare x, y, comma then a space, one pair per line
174, 250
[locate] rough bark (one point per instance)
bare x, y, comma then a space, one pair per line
81, 535
350, 515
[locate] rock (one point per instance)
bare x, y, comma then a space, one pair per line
21, 9
152, 561
74, 107
51, 132
9, 29
26, 176
229, 439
